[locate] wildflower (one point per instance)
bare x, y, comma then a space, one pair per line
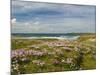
24, 59
29, 52
69, 60
56, 62
39, 63
38, 53
63, 60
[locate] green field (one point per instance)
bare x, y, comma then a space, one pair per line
50, 55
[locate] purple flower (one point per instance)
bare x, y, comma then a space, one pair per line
38, 53
56, 62
17, 53
29, 52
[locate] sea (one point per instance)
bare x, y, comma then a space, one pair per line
44, 36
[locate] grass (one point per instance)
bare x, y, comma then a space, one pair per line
82, 53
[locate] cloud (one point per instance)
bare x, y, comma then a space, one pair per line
37, 17
36, 23
35, 8
13, 20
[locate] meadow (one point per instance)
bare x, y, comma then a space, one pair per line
53, 55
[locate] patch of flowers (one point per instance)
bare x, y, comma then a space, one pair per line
56, 62
22, 57
56, 44
22, 53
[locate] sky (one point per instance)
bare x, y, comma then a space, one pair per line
39, 17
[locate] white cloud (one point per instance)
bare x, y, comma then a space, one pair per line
55, 23
13, 20
26, 24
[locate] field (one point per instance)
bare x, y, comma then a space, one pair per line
50, 55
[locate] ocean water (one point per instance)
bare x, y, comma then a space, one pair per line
44, 36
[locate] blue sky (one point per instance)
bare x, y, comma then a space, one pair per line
33, 17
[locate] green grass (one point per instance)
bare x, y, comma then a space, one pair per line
83, 58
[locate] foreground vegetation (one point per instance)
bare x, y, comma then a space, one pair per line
49, 55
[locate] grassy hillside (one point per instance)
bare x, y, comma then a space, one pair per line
49, 55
